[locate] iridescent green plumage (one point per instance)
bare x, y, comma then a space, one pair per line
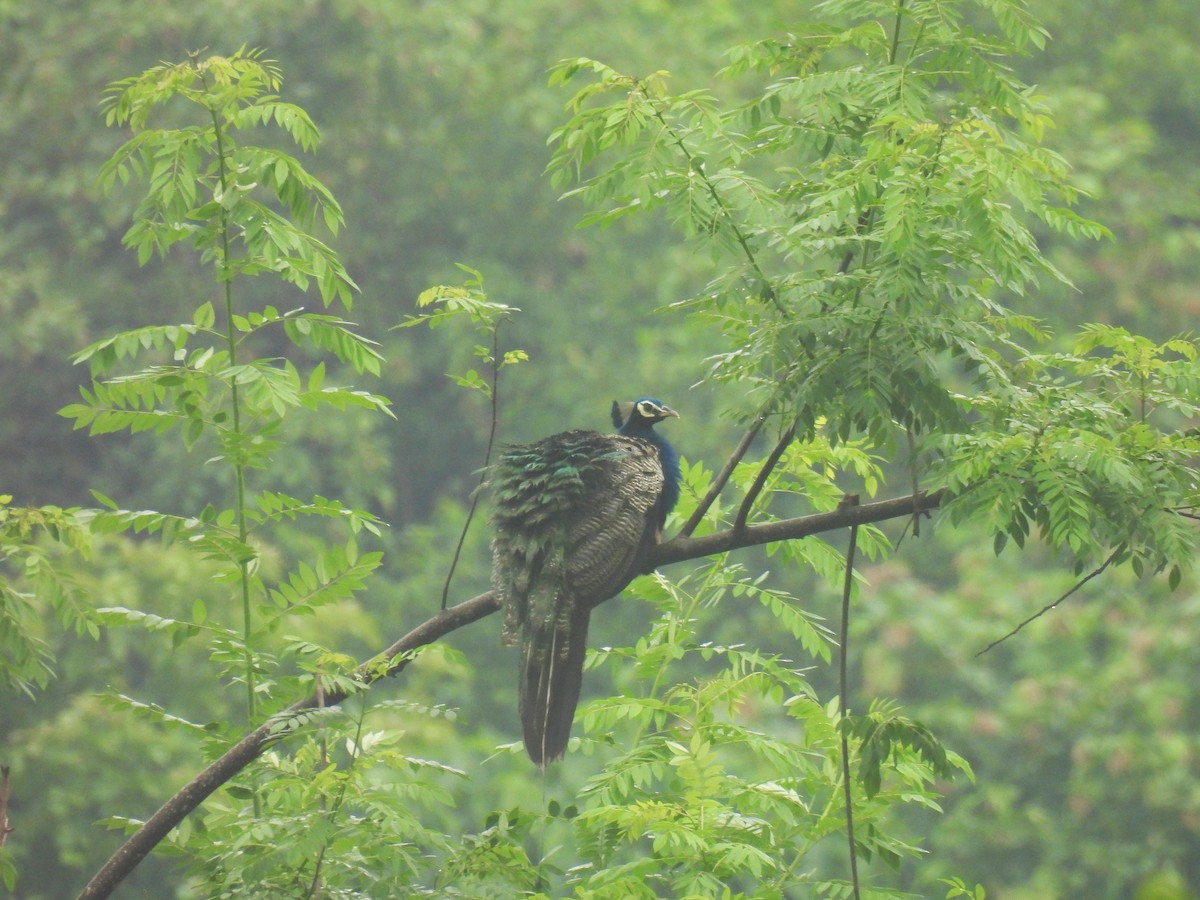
573, 516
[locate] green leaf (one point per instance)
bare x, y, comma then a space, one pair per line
335, 335
316, 378
205, 315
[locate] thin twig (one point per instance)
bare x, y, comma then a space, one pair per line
866, 217
236, 460
896, 33
760, 479
487, 461
722, 478
339, 801
1049, 606
860, 228
904, 531
844, 697
912, 468
314, 887
5, 828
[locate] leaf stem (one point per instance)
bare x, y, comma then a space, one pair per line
239, 467
896, 32
694, 165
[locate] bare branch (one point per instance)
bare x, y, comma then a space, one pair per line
760, 479
494, 399
722, 478
5, 828
844, 700
1099, 570
681, 548
397, 656
914, 472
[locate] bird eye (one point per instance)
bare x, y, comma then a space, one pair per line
647, 409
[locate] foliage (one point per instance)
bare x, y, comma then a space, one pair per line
342, 809
715, 787
1086, 445
203, 163
890, 225
875, 212
1082, 711
213, 390
470, 300
887, 136
26, 661
246, 210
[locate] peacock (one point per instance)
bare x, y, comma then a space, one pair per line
573, 516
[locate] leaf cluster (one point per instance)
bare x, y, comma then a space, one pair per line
868, 198
470, 301
873, 203
193, 390
683, 809
342, 808
1092, 448
32, 573
204, 187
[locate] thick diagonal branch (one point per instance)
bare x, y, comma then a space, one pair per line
395, 657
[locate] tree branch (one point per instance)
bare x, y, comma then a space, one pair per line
722, 478
397, 656
1095, 573
844, 702
681, 549
494, 400
5, 828
760, 479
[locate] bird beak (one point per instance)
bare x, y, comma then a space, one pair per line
669, 413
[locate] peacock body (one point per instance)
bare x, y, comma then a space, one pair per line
573, 516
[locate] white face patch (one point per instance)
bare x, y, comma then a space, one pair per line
647, 409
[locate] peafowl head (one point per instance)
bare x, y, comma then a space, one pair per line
638, 416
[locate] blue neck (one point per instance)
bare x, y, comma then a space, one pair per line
669, 460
